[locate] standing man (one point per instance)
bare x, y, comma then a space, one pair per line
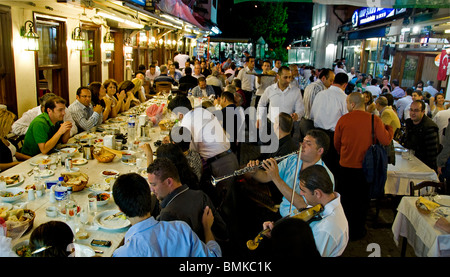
328, 106
280, 97
181, 59
47, 129
85, 115
247, 77
422, 135
326, 78
352, 138
262, 82
277, 65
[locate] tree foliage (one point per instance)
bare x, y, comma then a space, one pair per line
269, 22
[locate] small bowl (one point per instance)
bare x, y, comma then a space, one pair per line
69, 151
16, 194
100, 202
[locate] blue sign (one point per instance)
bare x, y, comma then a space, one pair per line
364, 16
139, 2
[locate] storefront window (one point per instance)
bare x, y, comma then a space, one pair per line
409, 71
90, 56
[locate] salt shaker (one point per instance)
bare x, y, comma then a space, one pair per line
31, 195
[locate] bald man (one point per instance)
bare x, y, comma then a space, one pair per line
352, 138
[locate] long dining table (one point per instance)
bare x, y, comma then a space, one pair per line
31, 174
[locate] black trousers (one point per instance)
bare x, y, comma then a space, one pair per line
351, 184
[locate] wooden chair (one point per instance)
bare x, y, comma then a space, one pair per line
163, 86
440, 187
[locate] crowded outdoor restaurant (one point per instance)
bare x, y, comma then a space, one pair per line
150, 141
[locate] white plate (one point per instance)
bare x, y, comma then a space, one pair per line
113, 224
110, 175
18, 182
443, 200
46, 173
99, 187
85, 136
79, 161
5, 207
47, 160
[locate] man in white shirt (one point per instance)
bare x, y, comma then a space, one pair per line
430, 89
373, 88
181, 59
262, 82
352, 73
331, 232
277, 65
441, 119
197, 70
85, 115
151, 73
247, 77
20, 126
280, 97
328, 106
340, 68
404, 102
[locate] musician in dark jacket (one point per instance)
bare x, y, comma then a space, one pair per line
422, 135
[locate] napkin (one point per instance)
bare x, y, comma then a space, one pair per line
154, 113
426, 205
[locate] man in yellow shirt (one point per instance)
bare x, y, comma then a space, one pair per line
387, 114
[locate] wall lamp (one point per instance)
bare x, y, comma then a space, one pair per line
108, 40
78, 39
31, 38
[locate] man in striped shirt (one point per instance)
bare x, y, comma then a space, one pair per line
85, 115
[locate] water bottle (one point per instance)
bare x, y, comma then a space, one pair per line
60, 190
71, 208
131, 131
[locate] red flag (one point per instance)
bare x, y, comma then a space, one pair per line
443, 65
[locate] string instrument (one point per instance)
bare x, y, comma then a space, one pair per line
306, 215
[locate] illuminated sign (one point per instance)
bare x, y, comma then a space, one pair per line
364, 16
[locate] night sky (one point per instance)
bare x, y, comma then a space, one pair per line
299, 19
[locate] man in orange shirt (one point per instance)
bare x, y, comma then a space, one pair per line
352, 139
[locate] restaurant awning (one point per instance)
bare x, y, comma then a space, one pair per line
369, 3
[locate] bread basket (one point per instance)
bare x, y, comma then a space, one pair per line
16, 228
104, 156
76, 180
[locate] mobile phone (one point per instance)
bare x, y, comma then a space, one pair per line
103, 243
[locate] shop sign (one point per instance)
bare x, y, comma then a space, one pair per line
364, 16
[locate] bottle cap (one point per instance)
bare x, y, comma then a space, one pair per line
61, 179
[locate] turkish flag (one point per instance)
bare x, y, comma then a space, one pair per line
443, 65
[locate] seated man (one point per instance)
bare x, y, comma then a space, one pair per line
422, 135
47, 129
174, 73
164, 77
148, 237
86, 116
188, 79
178, 202
202, 90
314, 146
20, 126
331, 231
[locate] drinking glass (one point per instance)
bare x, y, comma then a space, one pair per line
92, 204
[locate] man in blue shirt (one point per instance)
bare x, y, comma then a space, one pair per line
148, 237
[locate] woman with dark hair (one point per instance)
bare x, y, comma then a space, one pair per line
112, 88
98, 97
128, 87
52, 239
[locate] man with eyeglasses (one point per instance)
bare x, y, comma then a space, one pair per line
85, 115
422, 135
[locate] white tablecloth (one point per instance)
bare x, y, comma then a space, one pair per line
93, 169
419, 229
405, 171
